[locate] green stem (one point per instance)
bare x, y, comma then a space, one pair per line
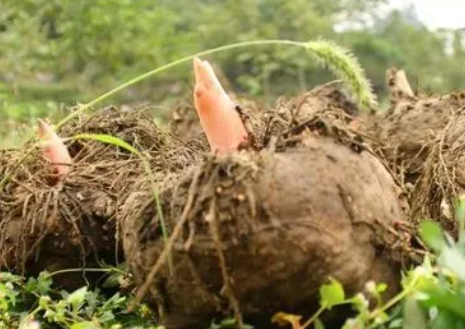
396, 299
71, 270
22, 324
155, 193
314, 317
108, 139
165, 67
393, 301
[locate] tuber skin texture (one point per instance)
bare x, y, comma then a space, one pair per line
287, 225
54, 150
217, 112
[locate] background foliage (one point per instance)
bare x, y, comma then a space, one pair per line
56, 52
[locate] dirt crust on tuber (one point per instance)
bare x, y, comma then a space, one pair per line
259, 231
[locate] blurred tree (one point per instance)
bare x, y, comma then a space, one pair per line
66, 50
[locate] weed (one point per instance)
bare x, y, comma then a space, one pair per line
33, 303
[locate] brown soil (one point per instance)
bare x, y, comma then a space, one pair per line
406, 133
259, 231
51, 227
443, 179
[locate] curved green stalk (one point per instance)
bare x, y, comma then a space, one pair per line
346, 67
338, 60
168, 66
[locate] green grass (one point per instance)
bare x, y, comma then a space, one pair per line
30, 303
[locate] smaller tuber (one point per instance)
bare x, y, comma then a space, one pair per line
54, 150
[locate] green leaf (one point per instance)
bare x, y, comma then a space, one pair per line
44, 283
76, 299
453, 259
224, 324
112, 280
106, 316
84, 325
432, 234
460, 217
414, 317
331, 294
319, 324
397, 323
44, 301
41, 285
381, 317
460, 208
447, 320
439, 295
381, 287
108, 139
4, 305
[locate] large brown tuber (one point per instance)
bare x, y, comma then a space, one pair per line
260, 231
